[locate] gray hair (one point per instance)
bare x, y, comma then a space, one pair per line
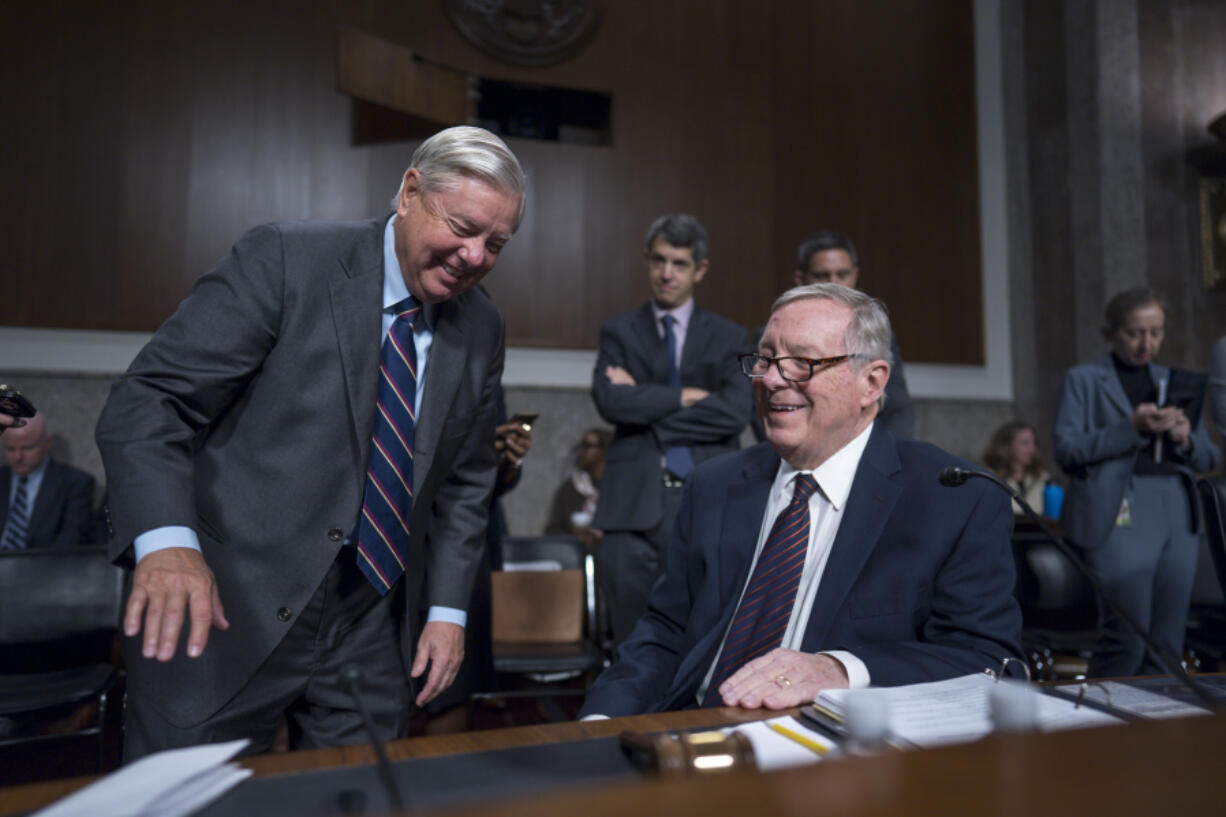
465, 151
824, 240
868, 334
681, 230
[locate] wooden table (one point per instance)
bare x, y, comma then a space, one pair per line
1161, 767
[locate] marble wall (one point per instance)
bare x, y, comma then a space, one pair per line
72, 403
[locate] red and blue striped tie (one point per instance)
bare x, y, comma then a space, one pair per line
383, 531
765, 609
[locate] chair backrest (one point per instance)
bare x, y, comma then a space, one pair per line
1051, 591
554, 603
567, 551
56, 602
1213, 501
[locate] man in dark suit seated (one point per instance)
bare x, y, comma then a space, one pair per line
309, 441
828, 556
43, 503
666, 377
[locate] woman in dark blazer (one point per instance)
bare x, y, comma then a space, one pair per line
1132, 455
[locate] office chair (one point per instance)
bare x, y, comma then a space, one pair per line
60, 692
1206, 643
544, 622
1059, 611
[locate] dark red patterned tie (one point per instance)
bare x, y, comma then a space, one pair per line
765, 609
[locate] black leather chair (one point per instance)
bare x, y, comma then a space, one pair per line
530, 668
1213, 502
60, 692
1059, 612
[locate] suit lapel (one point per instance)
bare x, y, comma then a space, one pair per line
1111, 386
644, 326
5, 485
730, 559
448, 354
48, 497
695, 341
357, 306
874, 492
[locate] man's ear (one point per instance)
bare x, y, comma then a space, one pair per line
702, 270
875, 375
408, 189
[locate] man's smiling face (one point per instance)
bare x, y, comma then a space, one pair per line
807, 422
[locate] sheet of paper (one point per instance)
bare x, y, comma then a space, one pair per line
139, 788
1131, 699
773, 751
957, 710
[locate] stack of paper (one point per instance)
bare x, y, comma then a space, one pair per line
957, 710
173, 783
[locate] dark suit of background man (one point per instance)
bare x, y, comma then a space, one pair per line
43, 503
827, 257
669, 413
241, 436
895, 579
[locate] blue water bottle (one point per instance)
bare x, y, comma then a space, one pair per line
1053, 498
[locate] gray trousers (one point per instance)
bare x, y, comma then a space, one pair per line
345, 623
1149, 567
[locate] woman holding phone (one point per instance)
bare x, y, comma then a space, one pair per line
1131, 506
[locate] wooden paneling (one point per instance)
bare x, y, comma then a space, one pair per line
145, 137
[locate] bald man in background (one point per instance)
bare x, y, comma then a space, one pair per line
43, 503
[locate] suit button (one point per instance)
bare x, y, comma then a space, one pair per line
283, 614
336, 534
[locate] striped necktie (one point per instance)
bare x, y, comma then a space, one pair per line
383, 530
17, 529
762, 617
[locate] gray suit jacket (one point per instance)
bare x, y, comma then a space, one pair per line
248, 417
62, 510
649, 416
1097, 447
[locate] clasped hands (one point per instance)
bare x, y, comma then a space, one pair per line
782, 679
620, 377
1147, 418
172, 584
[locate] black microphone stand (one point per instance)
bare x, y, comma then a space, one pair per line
350, 677
953, 477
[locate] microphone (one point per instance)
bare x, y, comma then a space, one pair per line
953, 476
350, 676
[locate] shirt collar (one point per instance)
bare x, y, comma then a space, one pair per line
681, 313
835, 475
394, 288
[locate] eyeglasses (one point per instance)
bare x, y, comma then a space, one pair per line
792, 369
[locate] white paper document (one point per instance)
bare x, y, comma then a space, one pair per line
793, 746
1131, 699
173, 783
957, 710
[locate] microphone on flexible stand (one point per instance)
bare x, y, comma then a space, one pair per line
952, 476
350, 676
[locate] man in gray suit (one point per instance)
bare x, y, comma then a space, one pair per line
242, 451
667, 378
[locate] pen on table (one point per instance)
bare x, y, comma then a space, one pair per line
796, 737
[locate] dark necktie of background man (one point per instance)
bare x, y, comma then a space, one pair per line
17, 529
678, 459
383, 531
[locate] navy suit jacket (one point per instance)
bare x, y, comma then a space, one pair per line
649, 416
919, 582
62, 510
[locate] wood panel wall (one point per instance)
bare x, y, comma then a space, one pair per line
143, 138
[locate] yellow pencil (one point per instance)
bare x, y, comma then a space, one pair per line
796, 737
